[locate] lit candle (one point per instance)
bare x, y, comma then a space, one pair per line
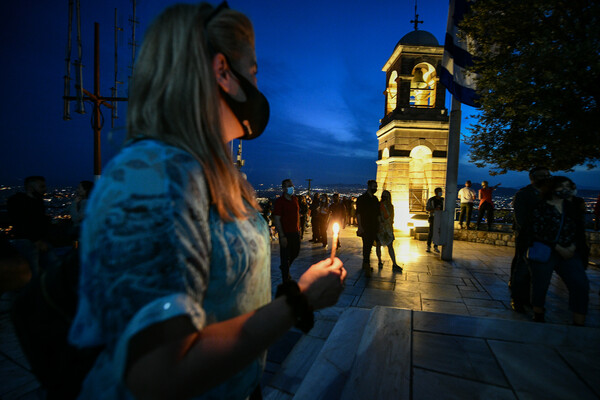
336, 231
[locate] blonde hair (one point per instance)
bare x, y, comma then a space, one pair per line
174, 96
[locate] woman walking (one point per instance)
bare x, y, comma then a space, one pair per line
385, 236
557, 226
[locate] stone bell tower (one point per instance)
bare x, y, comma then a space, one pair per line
413, 134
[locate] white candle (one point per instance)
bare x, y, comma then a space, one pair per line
336, 231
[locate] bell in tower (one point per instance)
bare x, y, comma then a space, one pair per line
413, 133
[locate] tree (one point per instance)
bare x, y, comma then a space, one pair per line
539, 80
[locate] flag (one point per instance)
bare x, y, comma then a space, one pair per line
457, 59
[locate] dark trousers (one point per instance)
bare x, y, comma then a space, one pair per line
466, 209
572, 273
483, 209
520, 277
289, 253
324, 223
368, 238
316, 229
430, 233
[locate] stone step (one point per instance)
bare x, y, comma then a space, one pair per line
382, 365
330, 370
290, 375
421, 236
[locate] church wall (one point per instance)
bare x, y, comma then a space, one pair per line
413, 141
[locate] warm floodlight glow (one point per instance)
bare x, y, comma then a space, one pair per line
336, 231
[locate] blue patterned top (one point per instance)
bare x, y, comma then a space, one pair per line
152, 248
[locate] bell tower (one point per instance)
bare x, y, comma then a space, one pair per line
413, 133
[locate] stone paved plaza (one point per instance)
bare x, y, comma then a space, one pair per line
436, 330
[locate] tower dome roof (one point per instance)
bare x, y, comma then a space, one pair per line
418, 38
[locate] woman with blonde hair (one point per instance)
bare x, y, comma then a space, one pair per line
385, 236
175, 274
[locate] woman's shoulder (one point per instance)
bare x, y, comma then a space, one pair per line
151, 168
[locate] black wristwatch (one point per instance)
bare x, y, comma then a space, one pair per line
303, 312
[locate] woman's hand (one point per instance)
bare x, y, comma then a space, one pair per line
323, 283
565, 252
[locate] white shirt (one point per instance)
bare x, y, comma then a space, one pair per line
466, 195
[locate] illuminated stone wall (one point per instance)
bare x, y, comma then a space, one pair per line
413, 134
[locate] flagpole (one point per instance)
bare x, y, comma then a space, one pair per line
451, 181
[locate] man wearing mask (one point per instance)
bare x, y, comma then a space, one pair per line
27, 211
523, 204
367, 213
467, 196
435, 203
287, 222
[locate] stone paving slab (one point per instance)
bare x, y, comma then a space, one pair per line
429, 385
538, 372
468, 358
327, 377
382, 366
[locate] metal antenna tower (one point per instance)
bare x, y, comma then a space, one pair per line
115, 89
133, 20
84, 95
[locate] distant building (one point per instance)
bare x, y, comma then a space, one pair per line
413, 134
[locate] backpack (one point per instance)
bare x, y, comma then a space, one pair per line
42, 314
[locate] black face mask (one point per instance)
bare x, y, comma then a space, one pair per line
253, 114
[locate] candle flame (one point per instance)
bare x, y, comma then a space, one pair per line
336, 228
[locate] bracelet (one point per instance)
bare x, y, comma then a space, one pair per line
302, 311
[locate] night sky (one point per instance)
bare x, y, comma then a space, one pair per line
319, 65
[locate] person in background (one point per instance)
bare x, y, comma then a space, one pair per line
324, 214
467, 197
486, 205
77, 208
286, 214
14, 268
31, 225
27, 212
353, 212
556, 223
175, 256
385, 235
523, 203
367, 215
303, 215
580, 208
435, 203
314, 219
338, 214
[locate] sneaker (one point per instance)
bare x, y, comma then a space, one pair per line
435, 248
428, 249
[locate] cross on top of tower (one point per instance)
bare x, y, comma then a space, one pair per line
416, 20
